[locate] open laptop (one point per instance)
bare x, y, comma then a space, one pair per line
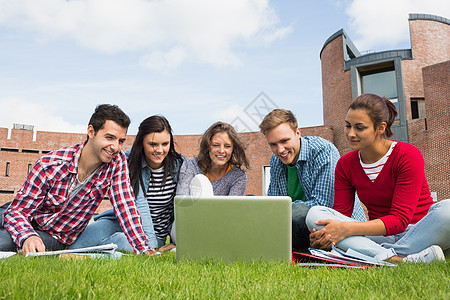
233, 228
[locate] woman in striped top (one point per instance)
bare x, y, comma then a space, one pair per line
154, 167
389, 179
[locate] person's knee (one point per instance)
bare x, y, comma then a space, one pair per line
299, 212
120, 239
316, 213
441, 211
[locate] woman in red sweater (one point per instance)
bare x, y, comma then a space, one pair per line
389, 178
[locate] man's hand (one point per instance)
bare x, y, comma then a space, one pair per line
33, 244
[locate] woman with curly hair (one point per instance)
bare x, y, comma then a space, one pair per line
221, 159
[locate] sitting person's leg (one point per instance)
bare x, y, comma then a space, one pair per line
300, 232
97, 233
362, 244
433, 229
6, 242
51, 244
120, 239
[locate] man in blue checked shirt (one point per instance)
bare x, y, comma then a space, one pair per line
302, 168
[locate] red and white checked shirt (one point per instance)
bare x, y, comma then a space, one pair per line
44, 199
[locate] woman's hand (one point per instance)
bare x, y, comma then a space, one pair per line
319, 239
333, 232
167, 247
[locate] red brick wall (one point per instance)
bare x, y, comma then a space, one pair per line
257, 150
432, 135
336, 90
430, 44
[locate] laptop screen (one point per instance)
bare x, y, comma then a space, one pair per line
233, 228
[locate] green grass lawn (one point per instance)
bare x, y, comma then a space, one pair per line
137, 277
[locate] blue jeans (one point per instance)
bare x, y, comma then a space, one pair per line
105, 231
432, 229
300, 232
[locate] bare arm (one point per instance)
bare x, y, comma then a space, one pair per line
335, 231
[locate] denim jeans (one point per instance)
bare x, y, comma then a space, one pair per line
105, 231
300, 232
432, 229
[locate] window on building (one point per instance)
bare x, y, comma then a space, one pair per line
7, 169
266, 179
417, 108
30, 166
380, 80
6, 191
9, 149
30, 151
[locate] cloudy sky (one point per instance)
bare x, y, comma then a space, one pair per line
193, 61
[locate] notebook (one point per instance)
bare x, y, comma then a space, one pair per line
233, 228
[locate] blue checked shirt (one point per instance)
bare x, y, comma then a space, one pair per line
316, 164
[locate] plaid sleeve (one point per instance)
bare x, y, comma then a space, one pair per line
18, 216
122, 199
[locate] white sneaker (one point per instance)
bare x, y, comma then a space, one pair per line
428, 255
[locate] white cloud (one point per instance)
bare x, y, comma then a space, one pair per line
239, 118
17, 110
171, 31
163, 61
228, 114
384, 23
236, 116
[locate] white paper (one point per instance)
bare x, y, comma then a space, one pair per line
109, 248
4, 254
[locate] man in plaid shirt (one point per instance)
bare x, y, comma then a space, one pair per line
302, 168
66, 186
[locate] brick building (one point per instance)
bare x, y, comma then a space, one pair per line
416, 80
19, 152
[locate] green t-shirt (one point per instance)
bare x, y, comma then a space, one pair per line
295, 190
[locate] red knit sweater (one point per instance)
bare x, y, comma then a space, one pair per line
399, 195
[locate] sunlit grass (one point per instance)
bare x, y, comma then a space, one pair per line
137, 277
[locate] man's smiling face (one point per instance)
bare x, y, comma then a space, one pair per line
284, 143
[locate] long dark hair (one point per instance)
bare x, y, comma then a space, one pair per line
238, 158
150, 125
379, 110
